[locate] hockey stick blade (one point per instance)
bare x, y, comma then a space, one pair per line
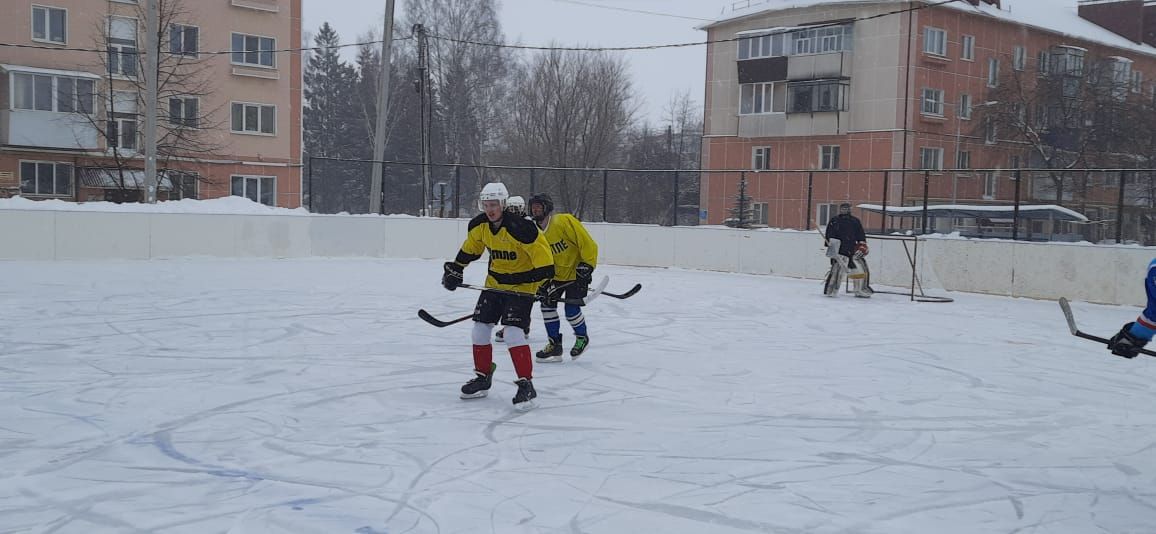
425, 316
595, 291
1067, 308
634, 290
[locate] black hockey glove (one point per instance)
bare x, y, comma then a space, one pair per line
584, 277
547, 294
1125, 344
452, 277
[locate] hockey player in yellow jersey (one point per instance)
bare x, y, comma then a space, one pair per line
520, 262
575, 256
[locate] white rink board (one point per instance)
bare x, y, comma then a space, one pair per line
1094, 273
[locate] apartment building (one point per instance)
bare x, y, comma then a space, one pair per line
71, 105
843, 85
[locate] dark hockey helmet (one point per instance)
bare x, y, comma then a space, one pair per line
545, 201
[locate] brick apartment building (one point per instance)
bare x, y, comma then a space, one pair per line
871, 90
71, 121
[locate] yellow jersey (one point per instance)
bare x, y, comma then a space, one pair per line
520, 258
571, 245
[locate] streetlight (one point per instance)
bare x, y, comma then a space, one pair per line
958, 141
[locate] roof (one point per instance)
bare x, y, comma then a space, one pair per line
110, 178
971, 211
51, 72
1055, 16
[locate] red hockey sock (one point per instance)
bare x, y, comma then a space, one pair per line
523, 363
483, 358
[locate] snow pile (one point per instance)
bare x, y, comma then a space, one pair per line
224, 205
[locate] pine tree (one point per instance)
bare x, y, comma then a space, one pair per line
743, 213
330, 128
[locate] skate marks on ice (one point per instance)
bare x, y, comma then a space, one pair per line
230, 397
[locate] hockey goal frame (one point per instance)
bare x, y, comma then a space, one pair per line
916, 292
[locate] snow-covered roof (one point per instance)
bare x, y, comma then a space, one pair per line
1057, 16
1033, 211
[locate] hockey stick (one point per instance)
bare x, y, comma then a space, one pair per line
626, 295
1067, 308
425, 316
594, 292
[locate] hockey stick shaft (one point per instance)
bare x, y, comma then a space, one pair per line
1067, 309
577, 302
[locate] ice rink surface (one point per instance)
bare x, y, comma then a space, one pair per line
201, 396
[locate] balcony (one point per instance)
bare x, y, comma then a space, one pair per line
49, 108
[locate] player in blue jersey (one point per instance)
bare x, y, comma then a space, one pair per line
1133, 336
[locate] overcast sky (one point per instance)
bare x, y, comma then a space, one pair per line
657, 74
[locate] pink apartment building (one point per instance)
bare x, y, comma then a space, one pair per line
68, 117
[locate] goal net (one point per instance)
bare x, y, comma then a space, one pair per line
899, 266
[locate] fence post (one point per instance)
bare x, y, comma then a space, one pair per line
605, 188
1120, 212
674, 215
309, 180
810, 196
458, 190
886, 186
1016, 207
926, 186
533, 183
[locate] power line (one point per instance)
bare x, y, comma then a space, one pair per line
208, 53
680, 45
629, 10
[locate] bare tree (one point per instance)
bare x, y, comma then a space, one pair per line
187, 134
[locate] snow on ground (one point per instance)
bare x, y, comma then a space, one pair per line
200, 396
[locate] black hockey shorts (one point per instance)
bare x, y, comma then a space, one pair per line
509, 310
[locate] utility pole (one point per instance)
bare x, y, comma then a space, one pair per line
382, 112
424, 89
152, 48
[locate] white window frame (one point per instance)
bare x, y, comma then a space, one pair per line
761, 212
1043, 62
258, 180
1019, 58
1137, 81
196, 43
992, 72
183, 121
13, 77
829, 157
967, 48
55, 169
963, 159
119, 123
766, 89
990, 184
244, 52
990, 135
761, 158
935, 41
122, 48
825, 212
177, 179
932, 102
244, 130
47, 10
936, 165
964, 107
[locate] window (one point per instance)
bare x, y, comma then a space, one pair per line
1137, 81
829, 157
931, 158
932, 102
963, 160
49, 24
256, 188
762, 46
757, 98
935, 41
965, 106
989, 131
40, 92
992, 72
989, 185
1019, 58
1013, 162
1068, 60
122, 133
761, 158
122, 51
967, 48
816, 96
1042, 62
1121, 76
183, 40
183, 111
184, 185
821, 40
761, 213
825, 213
45, 178
253, 50
254, 118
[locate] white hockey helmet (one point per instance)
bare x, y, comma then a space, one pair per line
493, 191
516, 204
